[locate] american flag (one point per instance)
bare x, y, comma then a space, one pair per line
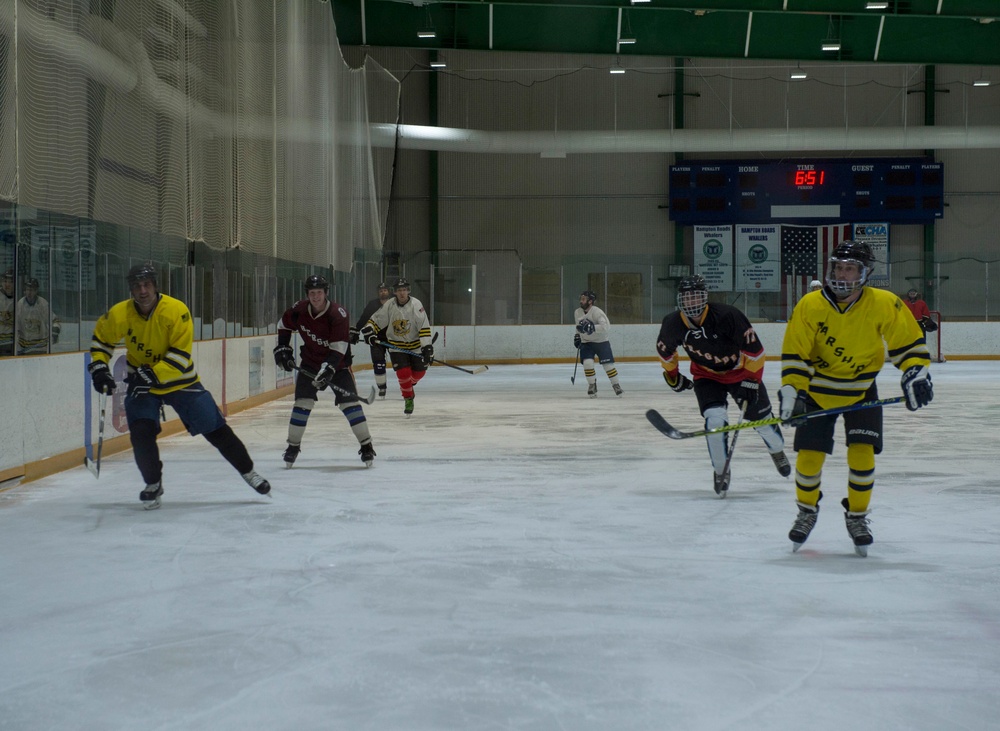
805, 251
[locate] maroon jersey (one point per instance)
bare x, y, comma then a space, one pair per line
324, 334
724, 348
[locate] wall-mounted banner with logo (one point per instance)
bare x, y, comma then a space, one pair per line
713, 256
758, 258
876, 235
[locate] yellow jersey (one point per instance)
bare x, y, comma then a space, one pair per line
834, 351
162, 340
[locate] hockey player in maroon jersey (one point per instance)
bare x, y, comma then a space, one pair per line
727, 359
378, 347
325, 362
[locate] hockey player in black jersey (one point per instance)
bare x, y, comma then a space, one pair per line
378, 347
727, 359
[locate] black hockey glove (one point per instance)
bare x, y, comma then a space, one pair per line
141, 380
428, 353
917, 387
792, 404
585, 326
100, 374
928, 324
354, 336
284, 357
747, 393
368, 334
325, 376
577, 340
680, 383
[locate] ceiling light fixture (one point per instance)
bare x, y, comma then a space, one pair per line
426, 34
438, 64
870, 5
639, 2
798, 73
832, 40
428, 29
981, 82
626, 41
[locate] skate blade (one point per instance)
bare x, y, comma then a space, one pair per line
152, 504
861, 551
288, 465
796, 546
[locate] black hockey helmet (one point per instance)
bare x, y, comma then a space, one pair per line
855, 252
144, 272
590, 295
316, 281
31, 283
692, 296
8, 275
912, 293
401, 283
383, 285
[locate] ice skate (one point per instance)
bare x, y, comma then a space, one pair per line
857, 526
151, 495
367, 453
803, 525
592, 390
722, 483
381, 393
257, 482
291, 454
618, 389
781, 462
407, 406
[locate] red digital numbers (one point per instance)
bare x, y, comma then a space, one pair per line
810, 177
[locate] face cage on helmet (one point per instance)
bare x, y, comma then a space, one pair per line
692, 303
841, 287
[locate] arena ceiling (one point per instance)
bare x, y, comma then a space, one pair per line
964, 32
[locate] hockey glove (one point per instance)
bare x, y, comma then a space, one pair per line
325, 376
354, 336
585, 326
576, 340
284, 357
368, 334
55, 332
680, 383
792, 404
141, 380
100, 374
747, 393
928, 324
428, 353
917, 387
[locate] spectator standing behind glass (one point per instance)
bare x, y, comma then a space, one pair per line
7, 313
159, 334
815, 285
377, 349
34, 322
921, 313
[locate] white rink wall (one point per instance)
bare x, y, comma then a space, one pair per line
47, 400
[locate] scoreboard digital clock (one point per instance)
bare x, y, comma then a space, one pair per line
896, 190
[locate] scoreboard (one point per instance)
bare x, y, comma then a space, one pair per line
820, 190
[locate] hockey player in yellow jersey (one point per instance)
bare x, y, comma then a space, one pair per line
834, 347
158, 334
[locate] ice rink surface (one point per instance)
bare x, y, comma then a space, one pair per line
519, 557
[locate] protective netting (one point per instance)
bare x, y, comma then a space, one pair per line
236, 124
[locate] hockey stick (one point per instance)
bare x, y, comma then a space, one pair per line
338, 389
472, 371
575, 365
732, 444
95, 466
656, 419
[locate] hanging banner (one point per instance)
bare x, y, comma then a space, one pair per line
713, 256
876, 235
758, 258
